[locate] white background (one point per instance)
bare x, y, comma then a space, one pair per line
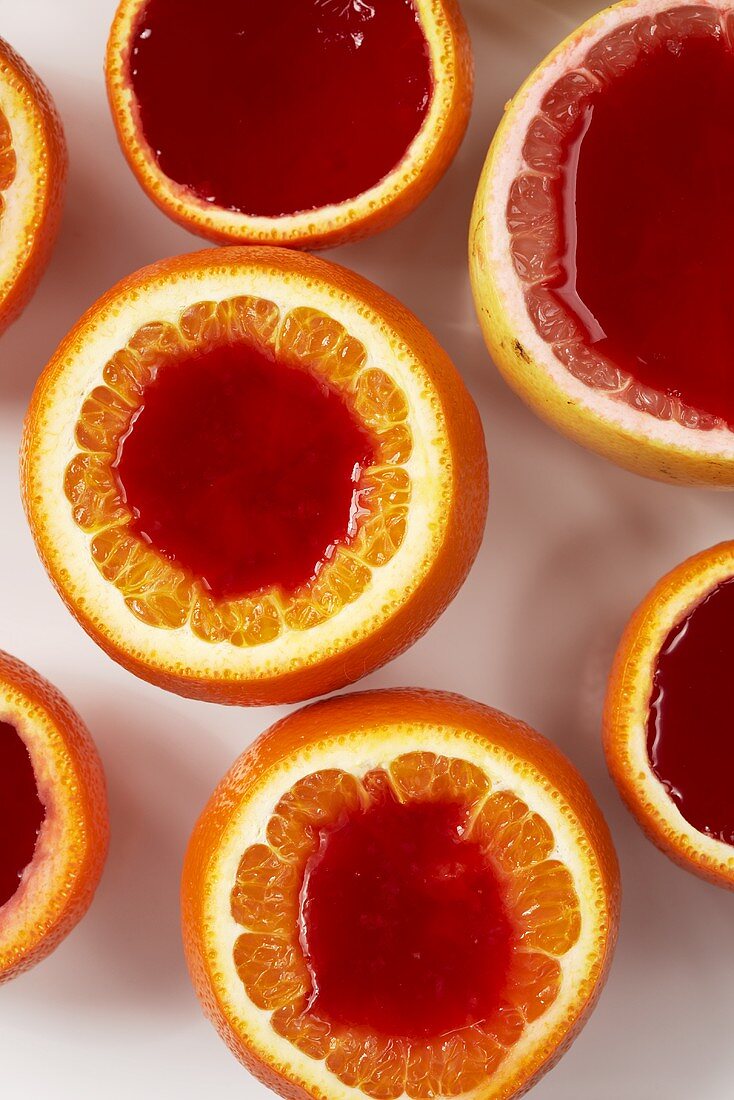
572, 543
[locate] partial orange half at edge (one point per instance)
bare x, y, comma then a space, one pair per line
667, 717
32, 179
253, 476
53, 818
399, 893
309, 124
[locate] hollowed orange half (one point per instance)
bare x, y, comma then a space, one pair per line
399, 893
667, 714
32, 177
253, 476
307, 123
53, 818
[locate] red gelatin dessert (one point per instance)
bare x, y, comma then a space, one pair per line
404, 924
668, 712
302, 121
614, 311
243, 470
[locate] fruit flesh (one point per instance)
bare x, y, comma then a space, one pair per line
622, 229
274, 108
21, 810
242, 469
689, 740
538, 899
403, 923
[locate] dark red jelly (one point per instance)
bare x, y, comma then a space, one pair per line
689, 733
272, 107
242, 469
403, 923
21, 810
649, 233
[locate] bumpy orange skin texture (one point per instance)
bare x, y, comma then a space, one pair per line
350, 221
45, 219
464, 523
636, 451
628, 693
57, 911
339, 720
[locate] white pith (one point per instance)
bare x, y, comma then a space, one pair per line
650, 795
25, 198
491, 240
60, 848
67, 548
358, 753
183, 202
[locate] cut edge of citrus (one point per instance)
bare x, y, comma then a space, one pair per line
446, 470
662, 449
57, 885
425, 161
626, 712
31, 201
379, 741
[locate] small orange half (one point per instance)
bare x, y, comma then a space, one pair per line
680, 797
51, 769
322, 222
32, 178
525, 813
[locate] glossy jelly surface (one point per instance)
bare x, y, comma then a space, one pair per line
648, 259
689, 736
21, 810
242, 469
403, 923
271, 107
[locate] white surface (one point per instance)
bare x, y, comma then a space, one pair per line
572, 543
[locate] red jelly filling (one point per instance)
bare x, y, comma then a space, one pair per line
242, 469
271, 107
689, 732
403, 923
648, 222
21, 810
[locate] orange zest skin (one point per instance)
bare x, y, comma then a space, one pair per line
23, 94
352, 727
626, 712
454, 475
428, 157
58, 885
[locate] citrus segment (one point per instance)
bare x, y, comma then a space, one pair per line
582, 286
276, 471
32, 179
226, 127
393, 945
53, 818
667, 713
21, 810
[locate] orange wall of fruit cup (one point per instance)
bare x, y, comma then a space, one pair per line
572, 544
